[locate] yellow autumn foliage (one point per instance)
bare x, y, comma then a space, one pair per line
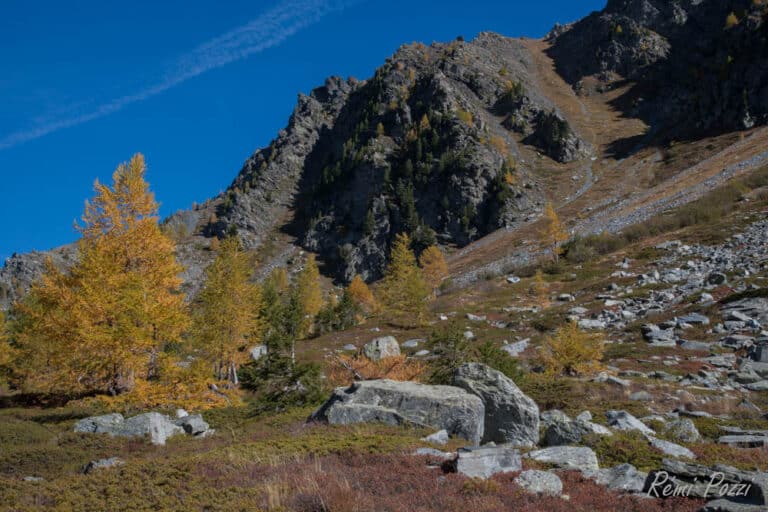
361, 294
571, 351
102, 326
554, 232
227, 312
404, 291
342, 370
433, 266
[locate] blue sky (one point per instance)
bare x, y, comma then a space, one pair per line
195, 85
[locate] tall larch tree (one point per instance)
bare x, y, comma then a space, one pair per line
309, 293
6, 351
361, 295
433, 266
102, 326
404, 290
227, 314
554, 232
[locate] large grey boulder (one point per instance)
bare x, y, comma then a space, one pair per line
511, 417
487, 461
441, 407
106, 424
381, 348
157, 426
540, 482
568, 457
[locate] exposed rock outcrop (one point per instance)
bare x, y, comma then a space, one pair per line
511, 417
395, 403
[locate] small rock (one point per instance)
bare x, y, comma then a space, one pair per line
669, 448
487, 461
258, 352
96, 465
381, 348
624, 477
440, 437
540, 482
682, 430
567, 457
622, 420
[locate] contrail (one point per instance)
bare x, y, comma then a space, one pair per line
268, 30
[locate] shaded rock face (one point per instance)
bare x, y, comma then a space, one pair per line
511, 417
420, 148
395, 403
20, 270
686, 63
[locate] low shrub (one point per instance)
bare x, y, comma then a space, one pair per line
625, 447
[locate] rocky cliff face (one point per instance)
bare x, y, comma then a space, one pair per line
698, 66
438, 142
429, 145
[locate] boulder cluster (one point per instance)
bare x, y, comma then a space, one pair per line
505, 427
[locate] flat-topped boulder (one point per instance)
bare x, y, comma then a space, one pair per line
487, 461
391, 402
158, 427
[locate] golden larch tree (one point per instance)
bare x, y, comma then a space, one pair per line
308, 283
361, 294
433, 266
554, 232
102, 326
227, 313
309, 293
539, 289
6, 351
571, 351
404, 291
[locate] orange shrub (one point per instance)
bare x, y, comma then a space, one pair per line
342, 370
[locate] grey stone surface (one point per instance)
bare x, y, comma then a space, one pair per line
540, 482
158, 427
707, 481
669, 448
193, 424
510, 415
568, 457
108, 423
682, 430
624, 477
439, 437
622, 420
486, 461
96, 465
442, 407
380, 348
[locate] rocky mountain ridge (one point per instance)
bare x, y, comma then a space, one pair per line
454, 141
